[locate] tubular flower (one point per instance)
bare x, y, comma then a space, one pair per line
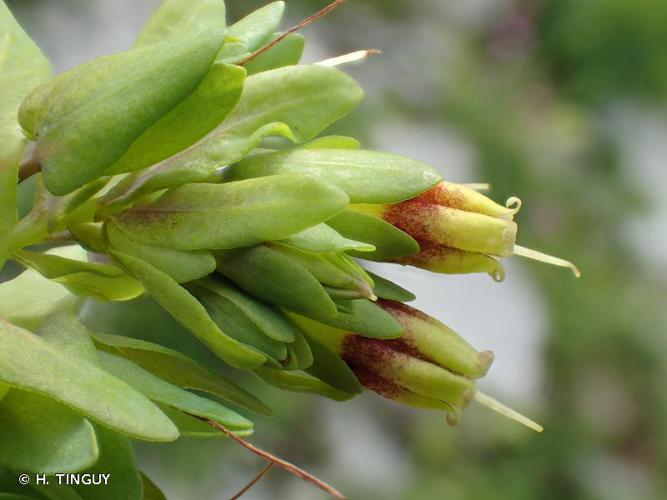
429, 366
459, 230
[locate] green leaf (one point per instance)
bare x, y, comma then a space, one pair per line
323, 239
41, 435
30, 363
157, 389
176, 18
274, 277
151, 491
189, 426
389, 290
190, 313
180, 370
116, 460
389, 241
299, 356
22, 66
232, 320
255, 29
102, 281
366, 176
29, 299
331, 369
279, 102
332, 142
237, 214
181, 266
268, 319
188, 122
85, 119
286, 52
301, 382
365, 318
65, 331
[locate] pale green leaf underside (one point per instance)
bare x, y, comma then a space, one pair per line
30, 363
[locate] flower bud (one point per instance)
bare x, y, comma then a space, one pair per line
459, 230
429, 366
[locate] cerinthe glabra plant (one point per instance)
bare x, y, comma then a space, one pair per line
154, 175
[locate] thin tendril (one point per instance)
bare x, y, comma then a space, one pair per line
529, 253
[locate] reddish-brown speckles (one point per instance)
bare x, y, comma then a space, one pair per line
429, 252
413, 218
362, 350
444, 195
371, 380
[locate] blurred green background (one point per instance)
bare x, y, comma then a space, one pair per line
560, 102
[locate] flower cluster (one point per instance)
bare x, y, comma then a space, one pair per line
162, 163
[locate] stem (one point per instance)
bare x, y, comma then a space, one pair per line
30, 165
294, 29
283, 464
265, 470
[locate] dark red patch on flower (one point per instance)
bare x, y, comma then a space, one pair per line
429, 252
372, 352
376, 383
413, 218
444, 195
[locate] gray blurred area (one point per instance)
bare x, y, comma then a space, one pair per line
561, 103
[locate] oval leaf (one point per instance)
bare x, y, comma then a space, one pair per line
158, 390
366, 176
180, 370
190, 313
389, 241
237, 214
41, 435
30, 363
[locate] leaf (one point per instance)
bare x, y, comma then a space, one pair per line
30, 363
255, 29
323, 239
41, 435
275, 278
279, 102
301, 382
332, 142
22, 66
158, 390
118, 462
389, 241
29, 299
85, 119
65, 331
389, 290
366, 176
237, 214
102, 281
190, 426
232, 320
175, 18
151, 491
299, 356
365, 318
180, 370
190, 313
189, 121
268, 319
331, 369
286, 52
181, 266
